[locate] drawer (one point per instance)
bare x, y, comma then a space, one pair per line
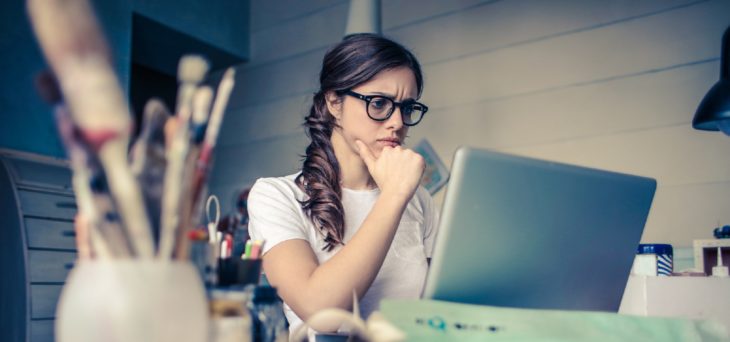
41, 331
42, 174
43, 233
43, 300
50, 266
47, 205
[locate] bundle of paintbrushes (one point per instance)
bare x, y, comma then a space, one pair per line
135, 199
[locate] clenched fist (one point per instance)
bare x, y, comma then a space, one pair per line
397, 171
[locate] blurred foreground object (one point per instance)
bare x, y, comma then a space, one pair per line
128, 200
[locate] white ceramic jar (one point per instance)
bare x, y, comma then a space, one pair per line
132, 300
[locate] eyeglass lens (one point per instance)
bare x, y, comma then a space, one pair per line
381, 107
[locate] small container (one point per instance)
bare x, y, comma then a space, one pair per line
653, 260
238, 272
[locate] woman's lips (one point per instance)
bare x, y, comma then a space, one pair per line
389, 142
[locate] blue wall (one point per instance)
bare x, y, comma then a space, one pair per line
26, 123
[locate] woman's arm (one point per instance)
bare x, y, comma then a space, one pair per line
305, 285
308, 287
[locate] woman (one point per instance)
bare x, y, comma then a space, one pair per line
354, 219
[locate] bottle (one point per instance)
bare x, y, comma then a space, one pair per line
653, 260
269, 323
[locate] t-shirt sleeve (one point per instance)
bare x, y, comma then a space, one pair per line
274, 214
430, 220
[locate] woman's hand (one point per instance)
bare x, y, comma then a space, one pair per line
397, 171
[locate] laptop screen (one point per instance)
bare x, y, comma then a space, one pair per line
529, 233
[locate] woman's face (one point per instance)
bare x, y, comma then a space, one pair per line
399, 84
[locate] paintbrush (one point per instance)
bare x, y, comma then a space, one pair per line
211, 134
72, 42
148, 161
188, 216
225, 87
105, 237
191, 71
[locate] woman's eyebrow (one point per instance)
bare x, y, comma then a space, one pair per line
390, 96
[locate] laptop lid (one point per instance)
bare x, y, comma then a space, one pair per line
529, 233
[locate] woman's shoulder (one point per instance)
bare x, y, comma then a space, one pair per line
285, 185
284, 181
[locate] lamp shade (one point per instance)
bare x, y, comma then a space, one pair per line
364, 17
713, 114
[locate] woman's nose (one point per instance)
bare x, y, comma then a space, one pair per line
396, 119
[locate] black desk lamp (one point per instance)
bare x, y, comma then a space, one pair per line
713, 114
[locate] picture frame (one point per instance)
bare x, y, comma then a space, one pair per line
436, 175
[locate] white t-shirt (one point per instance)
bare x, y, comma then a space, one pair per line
275, 215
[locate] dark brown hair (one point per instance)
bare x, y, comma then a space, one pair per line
355, 60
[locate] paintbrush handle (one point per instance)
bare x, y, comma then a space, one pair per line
173, 190
219, 106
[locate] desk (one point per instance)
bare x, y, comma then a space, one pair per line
687, 297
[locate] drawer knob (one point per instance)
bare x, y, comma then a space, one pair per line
66, 205
68, 233
69, 266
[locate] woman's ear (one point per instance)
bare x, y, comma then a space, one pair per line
334, 104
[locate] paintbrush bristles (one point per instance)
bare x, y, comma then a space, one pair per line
192, 69
190, 72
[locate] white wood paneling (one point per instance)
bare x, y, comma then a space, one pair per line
323, 25
257, 122
651, 100
320, 30
681, 214
672, 155
501, 24
402, 13
267, 13
663, 40
272, 82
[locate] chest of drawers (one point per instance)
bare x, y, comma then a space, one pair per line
37, 248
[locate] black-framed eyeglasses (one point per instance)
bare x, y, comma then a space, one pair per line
380, 108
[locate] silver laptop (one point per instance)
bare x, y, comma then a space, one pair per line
528, 233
